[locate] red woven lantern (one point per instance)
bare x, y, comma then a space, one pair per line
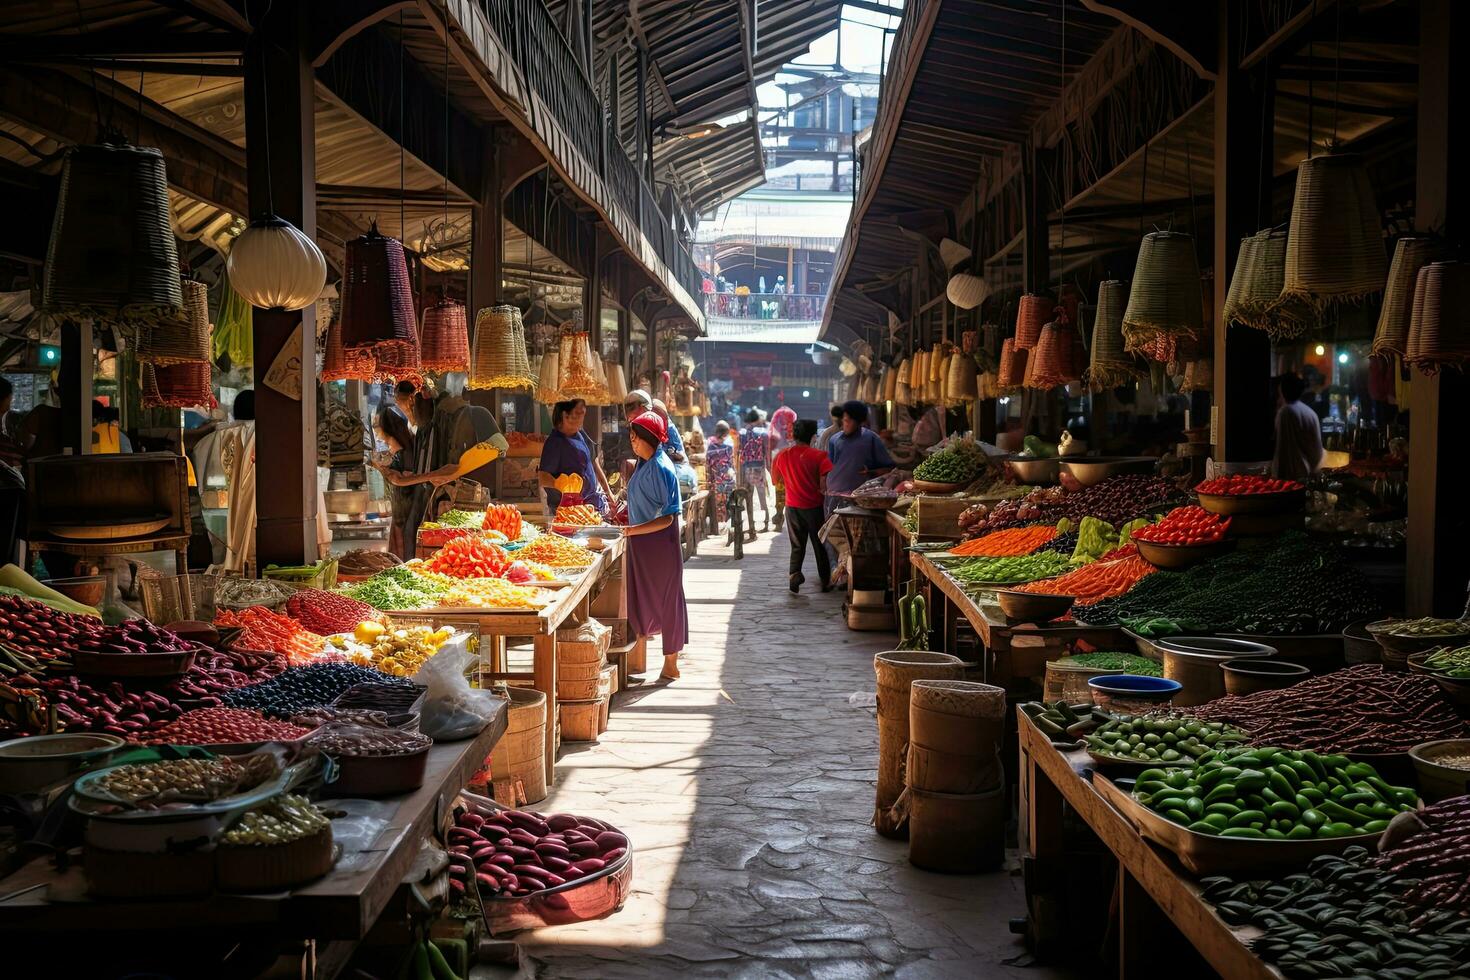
446, 337
338, 366
377, 304
177, 386
1034, 313
1012, 365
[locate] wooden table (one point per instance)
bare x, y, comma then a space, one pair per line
1157, 898
1015, 649
340, 908
693, 521
177, 543
495, 625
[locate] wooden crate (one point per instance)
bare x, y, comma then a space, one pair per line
938, 517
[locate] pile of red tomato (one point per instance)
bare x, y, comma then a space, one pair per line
1185, 525
1240, 484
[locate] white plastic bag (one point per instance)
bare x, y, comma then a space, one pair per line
452, 709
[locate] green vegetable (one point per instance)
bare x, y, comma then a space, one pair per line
1013, 569
1130, 663
948, 466
14, 577
1164, 738
1038, 448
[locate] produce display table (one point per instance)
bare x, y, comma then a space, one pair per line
1154, 892
337, 910
1015, 649
541, 625
899, 540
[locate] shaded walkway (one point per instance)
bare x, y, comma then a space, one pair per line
746, 788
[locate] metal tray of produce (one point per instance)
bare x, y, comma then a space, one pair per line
1205, 854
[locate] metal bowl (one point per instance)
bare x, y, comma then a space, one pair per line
1035, 471
1181, 555
1285, 502
1091, 470
34, 763
1032, 606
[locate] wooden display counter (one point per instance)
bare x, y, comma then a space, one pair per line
336, 911
1015, 649
1156, 901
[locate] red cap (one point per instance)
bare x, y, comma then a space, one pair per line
654, 424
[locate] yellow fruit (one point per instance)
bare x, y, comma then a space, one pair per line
368, 632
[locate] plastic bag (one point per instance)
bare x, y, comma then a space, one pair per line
452, 709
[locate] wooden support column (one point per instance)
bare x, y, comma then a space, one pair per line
1244, 404
645, 163
280, 160
75, 382
487, 235
1035, 208
1436, 569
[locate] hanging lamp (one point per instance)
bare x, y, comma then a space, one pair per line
1439, 328
1334, 249
446, 338
1164, 300
1110, 364
498, 358
112, 256
966, 290
1032, 313
377, 304
1409, 256
275, 266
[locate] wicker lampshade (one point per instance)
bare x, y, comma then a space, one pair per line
1334, 252
1032, 314
499, 350
578, 380
1164, 299
952, 253
1110, 364
1410, 255
1439, 330
966, 290
1012, 366
617, 383
180, 339
112, 255
377, 303
337, 365
446, 337
1053, 361
1255, 286
962, 383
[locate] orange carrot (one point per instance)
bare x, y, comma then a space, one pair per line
1011, 541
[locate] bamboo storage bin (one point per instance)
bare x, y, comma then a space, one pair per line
955, 732
578, 681
521, 752
580, 719
957, 833
896, 671
584, 643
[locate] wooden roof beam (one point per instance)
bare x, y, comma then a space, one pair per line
1187, 29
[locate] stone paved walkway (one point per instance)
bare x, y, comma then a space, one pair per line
746, 788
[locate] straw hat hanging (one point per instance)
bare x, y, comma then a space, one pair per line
1012, 366
1164, 300
1032, 314
446, 337
1439, 332
1409, 256
182, 338
499, 350
112, 255
1334, 252
377, 303
1111, 365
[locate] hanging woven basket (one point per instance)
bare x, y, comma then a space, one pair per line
962, 384
1334, 251
496, 359
578, 381
1409, 256
178, 386
180, 339
377, 305
112, 255
1110, 364
1254, 298
337, 365
446, 337
1033, 313
1053, 360
1012, 372
1164, 299
1199, 375
547, 390
1439, 330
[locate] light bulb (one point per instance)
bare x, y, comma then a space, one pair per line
1342, 358
806, 394
1320, 350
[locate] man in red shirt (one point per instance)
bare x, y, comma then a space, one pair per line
804, 472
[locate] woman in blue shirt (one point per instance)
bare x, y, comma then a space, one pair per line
569, 450
654, 568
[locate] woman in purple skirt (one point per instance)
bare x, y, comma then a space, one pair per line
654, 567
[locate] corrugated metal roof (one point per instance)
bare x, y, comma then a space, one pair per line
716, 167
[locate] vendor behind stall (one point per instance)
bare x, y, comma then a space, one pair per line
568, 450
857, 455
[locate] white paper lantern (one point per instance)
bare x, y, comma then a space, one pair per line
966, 291
275, 266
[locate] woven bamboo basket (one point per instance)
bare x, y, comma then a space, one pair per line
1033, 313
1012, 372
955, 733
578, 380
1110, 364
445, 344
1054, 360
177, 386
377, 303
962, 378
1438, 336
521, 751
337, 365
957, 833
1409, 256
178, 339
581, 721
1254, 298
1164, 299
498, 350
112, 256
896, 671
1334, 250
587, 642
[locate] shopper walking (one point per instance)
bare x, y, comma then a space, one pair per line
719, 467
783, 421
1298, 434
755, 462
804, 470
654, 566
